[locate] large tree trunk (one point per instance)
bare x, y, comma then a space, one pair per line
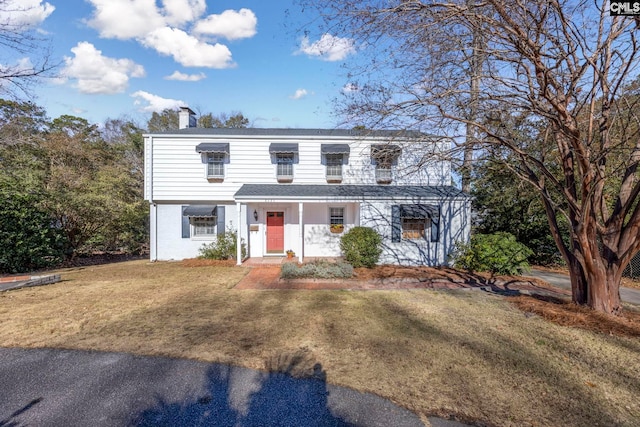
579, 284
604, 288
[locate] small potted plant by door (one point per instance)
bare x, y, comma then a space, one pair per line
336, 228
290, 254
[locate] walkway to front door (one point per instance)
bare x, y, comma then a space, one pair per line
275, 232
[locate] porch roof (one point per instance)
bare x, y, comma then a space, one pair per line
321, 193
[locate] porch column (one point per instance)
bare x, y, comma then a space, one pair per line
239, 234
300, 232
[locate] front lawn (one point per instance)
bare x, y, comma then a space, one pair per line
469, 354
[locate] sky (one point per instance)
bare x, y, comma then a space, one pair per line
128, 58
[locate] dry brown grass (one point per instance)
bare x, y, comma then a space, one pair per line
466, 353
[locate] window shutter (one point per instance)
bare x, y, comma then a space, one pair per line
435, 227
220, 213
396, 226
185, 225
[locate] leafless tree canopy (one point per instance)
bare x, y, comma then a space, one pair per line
555, 100
24, 54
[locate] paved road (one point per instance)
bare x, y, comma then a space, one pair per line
562, 281
46, 387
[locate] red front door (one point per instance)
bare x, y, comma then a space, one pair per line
275, 232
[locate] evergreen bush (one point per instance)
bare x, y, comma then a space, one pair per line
224, 247
498, 253
361, 247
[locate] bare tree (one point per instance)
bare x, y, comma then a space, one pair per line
563, 65
24, 54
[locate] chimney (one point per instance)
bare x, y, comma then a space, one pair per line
186, 118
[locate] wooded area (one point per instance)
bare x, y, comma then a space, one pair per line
69, 187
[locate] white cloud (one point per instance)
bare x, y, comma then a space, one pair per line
188, 50
230, 24
165, 28
300, 93
18, 15
180, 12
125, 19
98, 74
328, 48
177, 75
155, 102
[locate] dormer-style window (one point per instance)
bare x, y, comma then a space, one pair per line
215, 156
385, 157
284, 156
334, 158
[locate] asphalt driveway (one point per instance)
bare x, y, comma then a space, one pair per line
46, 387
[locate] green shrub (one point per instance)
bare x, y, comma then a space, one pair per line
361, 247
498, 253
224, 247
320, 269
29, 239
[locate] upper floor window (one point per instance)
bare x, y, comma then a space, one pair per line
215, 165
284, 162
284, 156
385, 156
334, 156
334, 167
215, 155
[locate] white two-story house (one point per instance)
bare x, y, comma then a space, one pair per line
300, 190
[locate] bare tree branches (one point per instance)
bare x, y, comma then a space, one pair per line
25, 55
564, 66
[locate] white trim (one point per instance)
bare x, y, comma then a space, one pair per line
300, 231
239, 234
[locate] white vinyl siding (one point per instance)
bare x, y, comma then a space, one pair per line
177, 169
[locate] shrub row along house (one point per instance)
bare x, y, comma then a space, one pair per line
299, 190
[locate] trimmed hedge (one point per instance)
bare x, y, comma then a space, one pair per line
317, 269
361, 247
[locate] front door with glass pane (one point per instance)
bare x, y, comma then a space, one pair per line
275, 232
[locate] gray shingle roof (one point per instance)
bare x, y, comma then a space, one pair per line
343, 192
294, 132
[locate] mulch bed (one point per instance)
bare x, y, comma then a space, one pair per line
390, 277
566, 313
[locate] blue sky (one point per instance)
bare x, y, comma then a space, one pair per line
132, 57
